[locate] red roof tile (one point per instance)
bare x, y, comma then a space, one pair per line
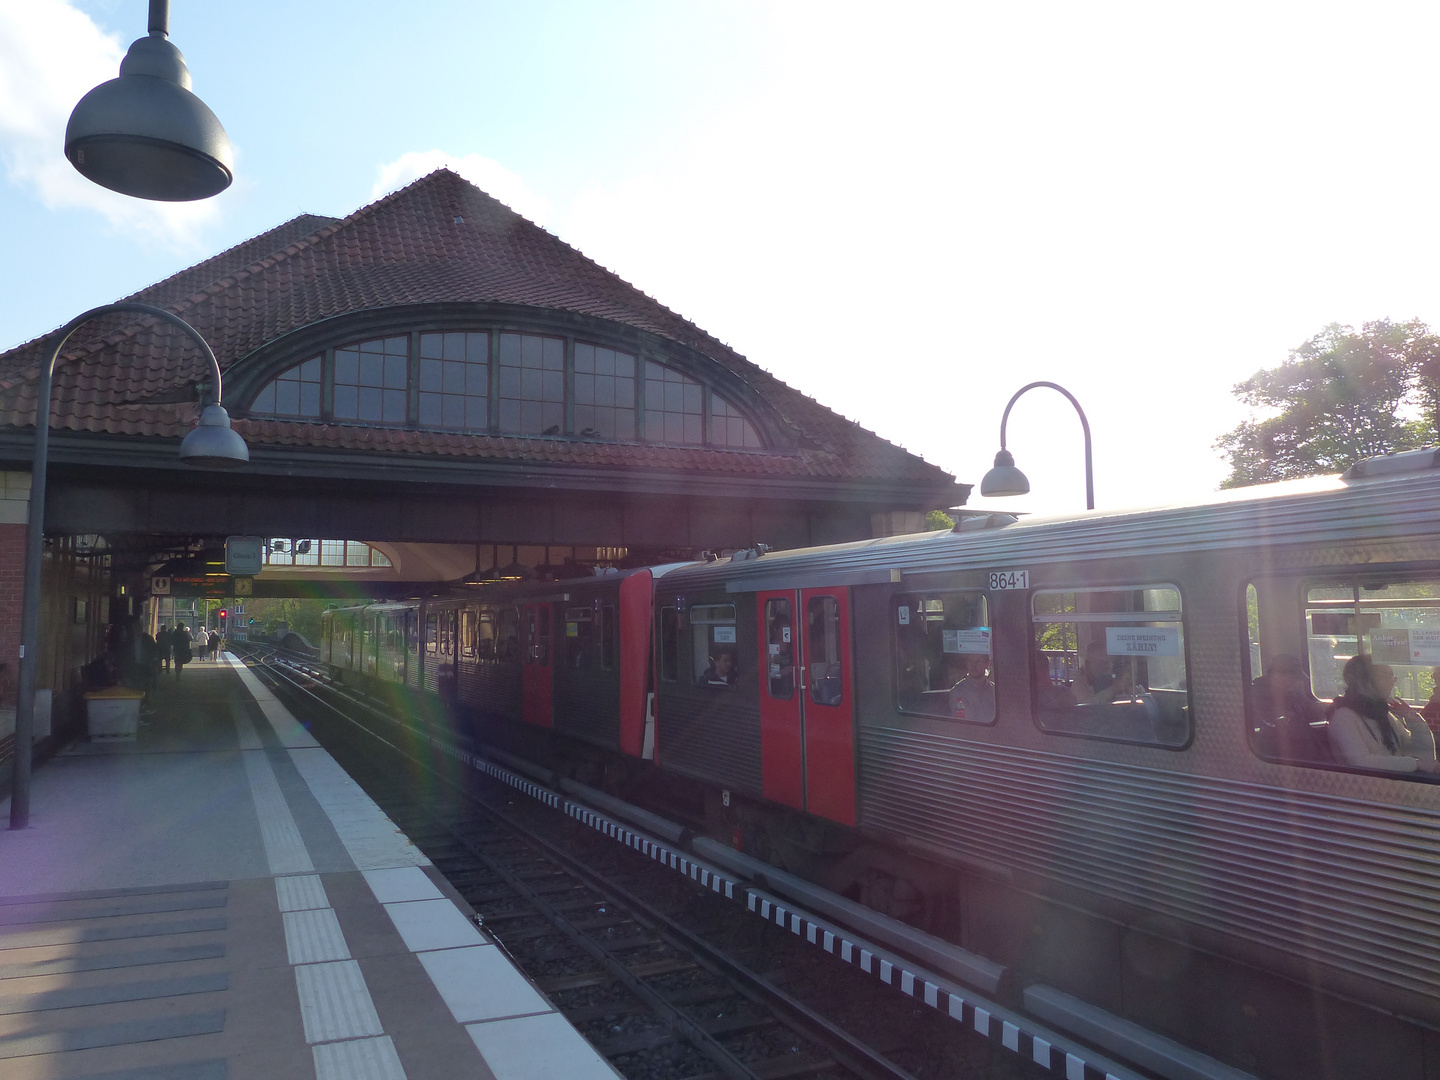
122, 376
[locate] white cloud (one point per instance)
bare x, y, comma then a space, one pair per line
51, 55
488, 175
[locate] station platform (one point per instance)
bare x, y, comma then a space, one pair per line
218, 900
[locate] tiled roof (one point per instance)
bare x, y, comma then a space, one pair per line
438, 240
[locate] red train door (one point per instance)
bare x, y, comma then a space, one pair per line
536, 677
782, 739
829, 704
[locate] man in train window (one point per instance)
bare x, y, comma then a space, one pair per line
973, 697
721, 672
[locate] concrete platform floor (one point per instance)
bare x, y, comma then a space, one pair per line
217, 899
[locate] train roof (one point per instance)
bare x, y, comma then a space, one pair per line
1393, 496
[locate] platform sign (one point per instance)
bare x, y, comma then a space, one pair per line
160, 586
244, 555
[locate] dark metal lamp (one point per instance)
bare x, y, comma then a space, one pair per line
145, 134
1006, 479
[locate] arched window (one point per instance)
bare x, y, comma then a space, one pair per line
728, 426
293, 393
674, 407
504, 382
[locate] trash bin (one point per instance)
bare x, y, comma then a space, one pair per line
114, 714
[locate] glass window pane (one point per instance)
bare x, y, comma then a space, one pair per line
394, 407
346, 402
397, 372
430, 409
430, 374
347, 366
584, 390
371, 404
584, 357
371, 369
432, 345
310, 399
1110, 664
287, 397
780, 649
823, 654
265, 400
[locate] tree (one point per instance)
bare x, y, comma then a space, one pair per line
1340, 397
938, 519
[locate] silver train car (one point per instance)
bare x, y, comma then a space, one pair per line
1112, 811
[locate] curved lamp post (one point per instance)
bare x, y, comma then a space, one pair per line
212, 444
1006, 479
145, 134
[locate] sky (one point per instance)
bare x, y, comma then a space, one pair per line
908, 211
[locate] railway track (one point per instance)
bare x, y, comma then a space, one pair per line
664, 973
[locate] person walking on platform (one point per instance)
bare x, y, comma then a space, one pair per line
162, 645
180, 648
213, 644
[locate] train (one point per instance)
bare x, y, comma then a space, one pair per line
1149, 852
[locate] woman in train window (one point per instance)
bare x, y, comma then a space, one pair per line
1363, 731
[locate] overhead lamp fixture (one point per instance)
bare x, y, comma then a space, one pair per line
145, 134
1006, 479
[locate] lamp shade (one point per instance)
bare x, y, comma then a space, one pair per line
146, 135
1004, 478
214, 444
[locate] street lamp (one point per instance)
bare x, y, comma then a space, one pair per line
1006, 479
212, 444
145, 134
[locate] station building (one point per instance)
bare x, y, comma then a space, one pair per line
439, 382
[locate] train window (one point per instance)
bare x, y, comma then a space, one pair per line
1303, 718
1110, 664
669, 644
608, 643
507, 635
468, 623
432, 632
581, 637
942, 655
823, 649
543, 656
532, 644
780, 648
714, 651
485, 633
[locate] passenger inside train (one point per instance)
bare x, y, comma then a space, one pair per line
1365, 731
973, 695
721, 673
1288, 719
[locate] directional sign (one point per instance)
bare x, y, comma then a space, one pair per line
244, 555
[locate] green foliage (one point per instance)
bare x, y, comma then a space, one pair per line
1341, 397
302, 616
938, 519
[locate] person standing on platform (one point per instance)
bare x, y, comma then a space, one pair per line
180, 648
212, 644
162, 646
